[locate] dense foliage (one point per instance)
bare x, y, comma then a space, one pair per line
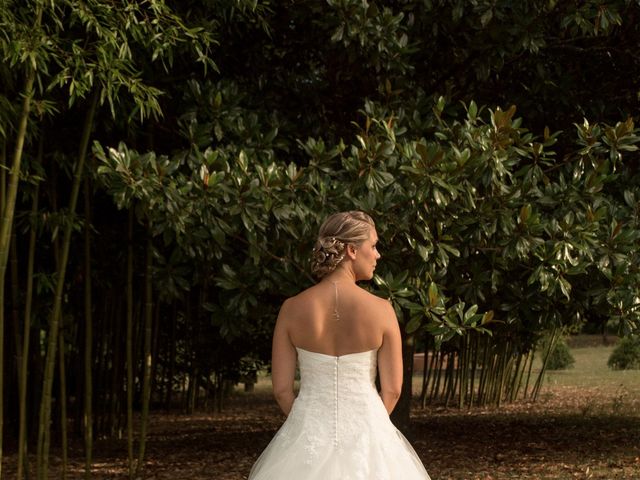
493, 142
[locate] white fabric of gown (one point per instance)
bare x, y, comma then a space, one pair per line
338, 427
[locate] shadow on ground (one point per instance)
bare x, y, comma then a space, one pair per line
524, 441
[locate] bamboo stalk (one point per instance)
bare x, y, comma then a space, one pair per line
3, 177
484, 374
88, 336
525, 357
449, 380
15, 315
146, 381
423, 390
106, 360
190, 354
194, 386
220, 389
517, 378
26, 336
193, 389
462, 371
491, 378
8, 214
99, 362
502, 361
130, 345
116, 376
154, 349
63, 405
172, 357
474, 367
432, 367
551, 345
530, 358
508, 372
45, 410
435, 392
459, 385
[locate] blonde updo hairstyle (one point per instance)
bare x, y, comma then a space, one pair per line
338, 231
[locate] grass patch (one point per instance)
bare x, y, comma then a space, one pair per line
591, 370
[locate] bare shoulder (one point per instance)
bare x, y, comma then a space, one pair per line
381, 305
374, 299
293, 306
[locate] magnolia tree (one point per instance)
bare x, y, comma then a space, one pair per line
482, 228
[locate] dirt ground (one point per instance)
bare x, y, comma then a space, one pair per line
570, 433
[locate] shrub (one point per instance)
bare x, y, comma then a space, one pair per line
560, 357
626, 355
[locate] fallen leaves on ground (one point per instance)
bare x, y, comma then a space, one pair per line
567, 434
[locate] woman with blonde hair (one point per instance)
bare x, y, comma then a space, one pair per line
341, 336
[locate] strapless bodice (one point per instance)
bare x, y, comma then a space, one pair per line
323, 375
339, 391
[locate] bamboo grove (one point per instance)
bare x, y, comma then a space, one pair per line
166, 165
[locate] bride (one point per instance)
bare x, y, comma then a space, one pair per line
341, 336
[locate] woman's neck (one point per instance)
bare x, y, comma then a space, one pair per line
341, 275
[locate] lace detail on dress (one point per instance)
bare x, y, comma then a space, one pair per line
338, 428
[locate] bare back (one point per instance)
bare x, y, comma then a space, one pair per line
337, 319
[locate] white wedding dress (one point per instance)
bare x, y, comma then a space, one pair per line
338, 427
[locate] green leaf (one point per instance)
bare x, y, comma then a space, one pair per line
413, 325
473, 110
434, 296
